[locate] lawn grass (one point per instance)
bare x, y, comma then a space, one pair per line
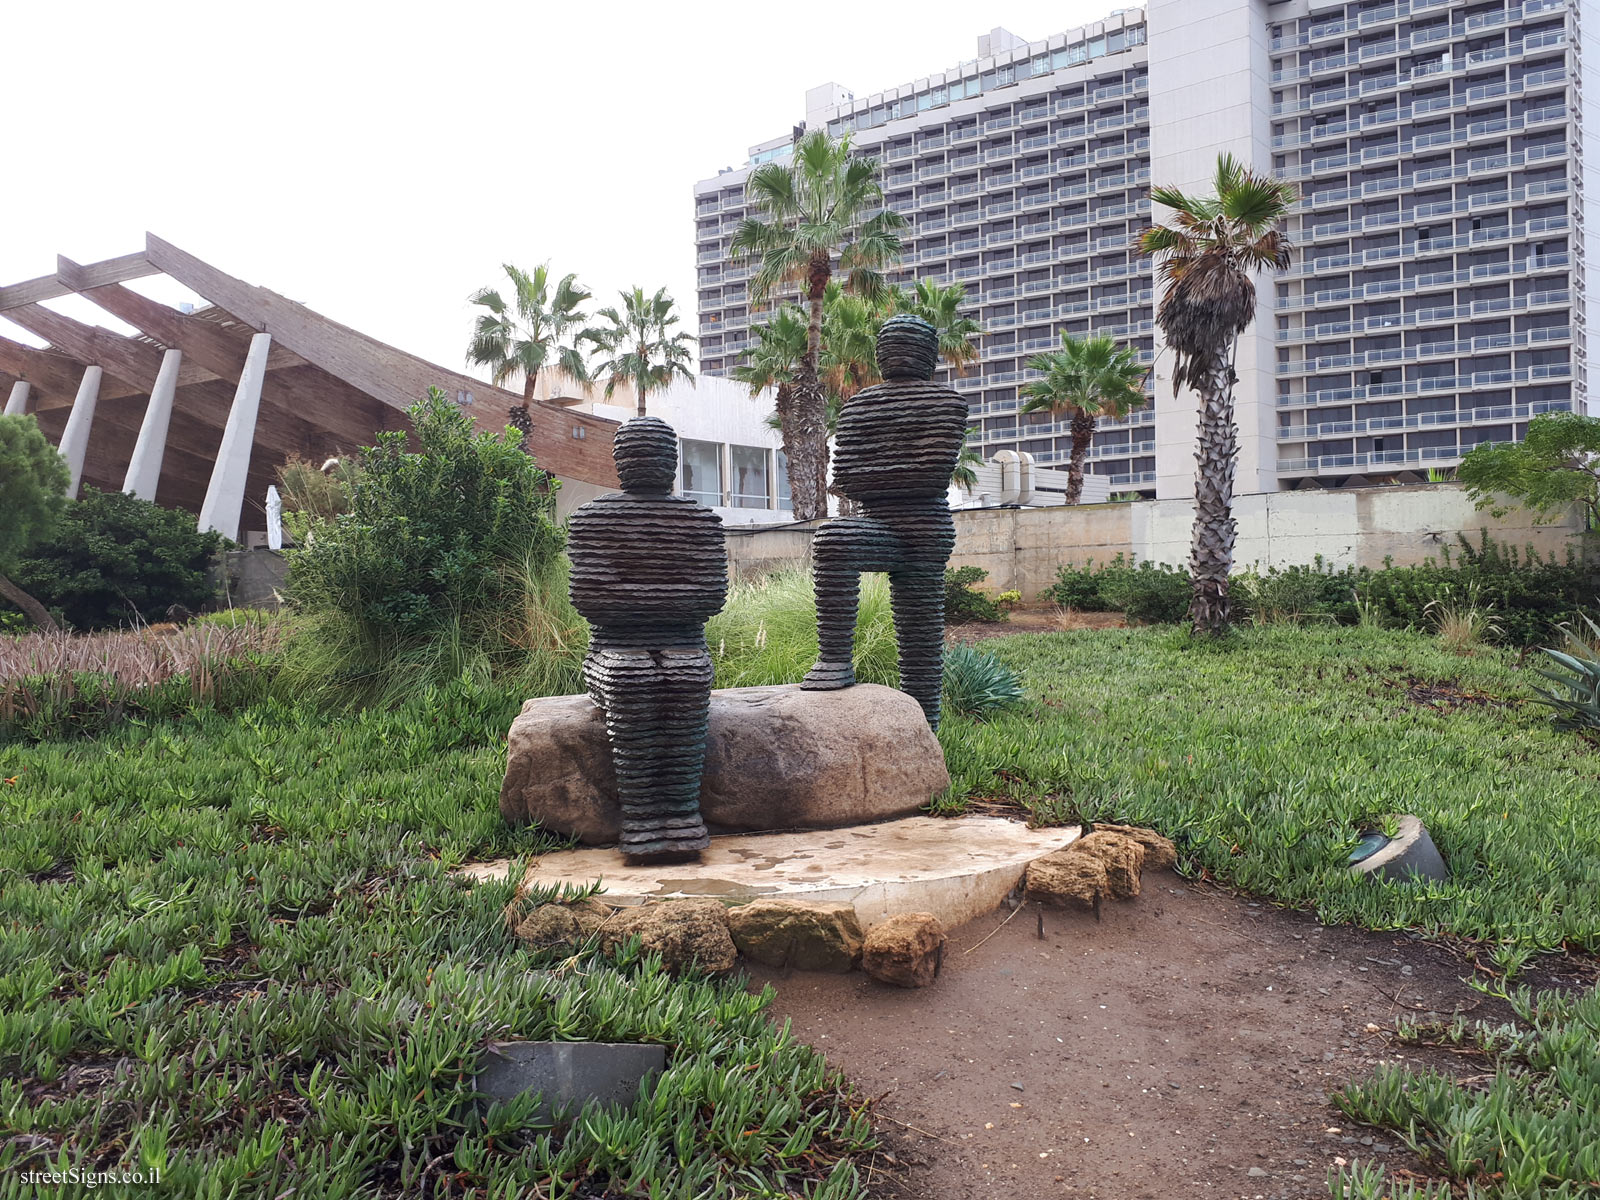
1265, 755
231, 949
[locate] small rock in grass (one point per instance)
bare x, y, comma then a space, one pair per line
1063, 878
682, 932
817, 935
550, 926
906, 950
1159, 852
1122, 857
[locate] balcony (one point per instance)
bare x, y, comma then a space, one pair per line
1491, 415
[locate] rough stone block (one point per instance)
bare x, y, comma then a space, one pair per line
817, 935
1065, 879
1122, 857
1159, 852
776, 758
906, 950
683, 932
568, 1075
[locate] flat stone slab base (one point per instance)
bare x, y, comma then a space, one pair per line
955, 868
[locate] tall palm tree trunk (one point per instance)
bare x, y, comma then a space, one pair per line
1216, 451
1082, 435
31, 608
805, 436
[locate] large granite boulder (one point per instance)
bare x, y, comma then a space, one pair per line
776, 758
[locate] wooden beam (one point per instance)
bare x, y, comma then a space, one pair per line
81, 277
131, 361
52, 373
392, 376
48, 287
205, 343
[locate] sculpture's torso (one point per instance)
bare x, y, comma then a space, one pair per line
647, 569
898, 440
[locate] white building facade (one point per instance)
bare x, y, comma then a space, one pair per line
729, 458
1438, 292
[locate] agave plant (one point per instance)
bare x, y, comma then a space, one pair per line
1577, 702
978, 684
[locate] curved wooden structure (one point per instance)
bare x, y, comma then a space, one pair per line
256, 378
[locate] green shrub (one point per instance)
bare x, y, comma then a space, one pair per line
114, 560
977, 684
1078, 588
1146, 592
1531, 596
1149, 592
964, 603
447, 562
1298, 593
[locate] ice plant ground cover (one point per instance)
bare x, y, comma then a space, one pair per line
230, 945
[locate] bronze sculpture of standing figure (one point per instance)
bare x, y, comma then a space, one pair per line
897, 445
648, 569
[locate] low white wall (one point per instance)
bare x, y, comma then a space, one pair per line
1022, 548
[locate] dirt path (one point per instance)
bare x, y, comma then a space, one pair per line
1182, 1047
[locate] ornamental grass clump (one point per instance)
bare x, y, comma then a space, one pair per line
56, 685
766, 633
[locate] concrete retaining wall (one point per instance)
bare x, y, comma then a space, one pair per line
1021, 548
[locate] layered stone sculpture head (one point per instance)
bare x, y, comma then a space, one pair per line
648, 569
896, 446
908, 348
646, 454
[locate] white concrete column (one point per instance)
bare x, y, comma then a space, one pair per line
74, 444
144, 468
17, 402
225, 494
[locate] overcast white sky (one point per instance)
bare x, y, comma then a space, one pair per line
379, 162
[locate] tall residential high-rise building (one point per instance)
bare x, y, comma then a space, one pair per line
1437, 295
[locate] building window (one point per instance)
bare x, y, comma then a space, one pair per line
702, 471
781, 467
749, 467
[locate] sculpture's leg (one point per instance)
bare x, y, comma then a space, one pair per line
841, 550
918, 599
657, 704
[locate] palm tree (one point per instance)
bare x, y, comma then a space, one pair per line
816, 206
642, 348
941, 308
1088, 378
965, 476
537, 329
780, 345
849, 358
1209, 253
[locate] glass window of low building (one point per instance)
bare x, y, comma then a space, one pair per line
702, 471
749, 466
781, 469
